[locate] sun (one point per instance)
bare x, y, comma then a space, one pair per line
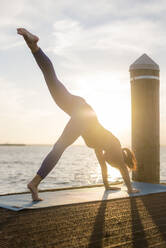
110, 97
113, 110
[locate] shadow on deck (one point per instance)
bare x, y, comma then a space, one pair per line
136, 222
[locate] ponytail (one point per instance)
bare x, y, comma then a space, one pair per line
129, 158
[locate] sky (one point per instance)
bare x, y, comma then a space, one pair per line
91, 44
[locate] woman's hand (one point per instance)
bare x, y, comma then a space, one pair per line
108, 187
111, 188
132, 191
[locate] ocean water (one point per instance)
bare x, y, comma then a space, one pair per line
78, 166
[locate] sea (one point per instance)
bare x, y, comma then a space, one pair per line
78, 166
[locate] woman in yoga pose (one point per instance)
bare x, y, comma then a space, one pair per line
83, 122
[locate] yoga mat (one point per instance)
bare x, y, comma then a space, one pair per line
18, 202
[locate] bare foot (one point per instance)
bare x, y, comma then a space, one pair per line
34, 191
134, 191
30, 39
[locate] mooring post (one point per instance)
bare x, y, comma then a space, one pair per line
144, 78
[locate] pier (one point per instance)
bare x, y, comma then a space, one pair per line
136, 222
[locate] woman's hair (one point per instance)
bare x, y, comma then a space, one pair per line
129, 158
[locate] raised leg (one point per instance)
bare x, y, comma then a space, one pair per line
58, 91
60, 94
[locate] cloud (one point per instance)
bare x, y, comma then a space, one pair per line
95, 24
91, 43
27, 116
86, 54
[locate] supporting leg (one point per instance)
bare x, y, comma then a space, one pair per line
71, 132
47, 165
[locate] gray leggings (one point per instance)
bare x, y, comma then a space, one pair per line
71, 104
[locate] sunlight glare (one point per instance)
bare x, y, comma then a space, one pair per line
113, 173
112, 104
110, 98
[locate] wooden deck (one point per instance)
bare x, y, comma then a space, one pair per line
136, 222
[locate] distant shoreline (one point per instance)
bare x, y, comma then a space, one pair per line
13, 145
6, 144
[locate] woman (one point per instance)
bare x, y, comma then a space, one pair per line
83, 122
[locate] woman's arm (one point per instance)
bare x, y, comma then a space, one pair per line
125, 174
101, 160
119, 165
